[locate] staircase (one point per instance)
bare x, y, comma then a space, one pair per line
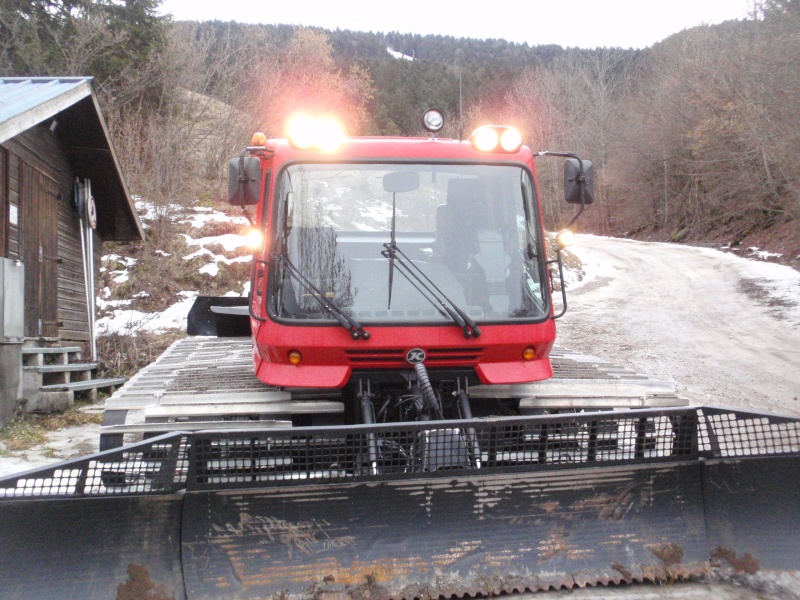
51, 376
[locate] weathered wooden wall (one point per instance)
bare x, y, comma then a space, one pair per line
38, 171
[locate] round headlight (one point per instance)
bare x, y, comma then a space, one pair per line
254, 238
564, 239
511, 140
330, 135
486, 139
301, 132
433, 120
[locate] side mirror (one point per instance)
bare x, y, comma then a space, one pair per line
573, 182
244, 181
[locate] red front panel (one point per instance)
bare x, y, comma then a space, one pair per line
330, 354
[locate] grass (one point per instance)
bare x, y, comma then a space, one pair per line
25, 431
125, 355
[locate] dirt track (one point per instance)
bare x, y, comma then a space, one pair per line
691, 315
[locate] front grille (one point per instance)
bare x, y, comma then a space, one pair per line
397, 358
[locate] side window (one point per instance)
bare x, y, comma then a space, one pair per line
527, 223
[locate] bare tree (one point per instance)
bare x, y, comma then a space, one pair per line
573, 104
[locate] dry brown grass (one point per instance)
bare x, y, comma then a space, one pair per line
125, 355
28, 430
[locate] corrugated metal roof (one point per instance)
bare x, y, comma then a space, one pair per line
81, 131
27, 101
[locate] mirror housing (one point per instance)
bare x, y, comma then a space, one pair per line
572, 182
401, 181
244, 181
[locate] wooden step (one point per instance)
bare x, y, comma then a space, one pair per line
77, 386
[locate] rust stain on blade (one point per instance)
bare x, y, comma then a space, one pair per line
670, 554
140, 585
304, 537
555, 545
745, 563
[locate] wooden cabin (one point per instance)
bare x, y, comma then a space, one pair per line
62, 194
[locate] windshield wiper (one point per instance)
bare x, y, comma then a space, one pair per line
345, 320
426, 287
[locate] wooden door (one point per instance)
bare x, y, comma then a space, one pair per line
39, 242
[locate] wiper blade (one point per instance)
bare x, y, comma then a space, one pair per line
426, 287
345, 320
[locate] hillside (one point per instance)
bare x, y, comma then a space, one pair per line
694, 140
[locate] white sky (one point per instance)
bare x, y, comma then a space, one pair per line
569, 23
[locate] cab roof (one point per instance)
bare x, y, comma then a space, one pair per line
397, 148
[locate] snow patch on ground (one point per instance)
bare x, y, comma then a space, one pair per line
124, 321
129, 322
763, 254
399, 55
229, 241
591, 268
203, 215
150, 212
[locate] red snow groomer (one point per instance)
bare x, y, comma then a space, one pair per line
400, 272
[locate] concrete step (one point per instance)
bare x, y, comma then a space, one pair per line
50, 355
52, 350
90, 384
71, 367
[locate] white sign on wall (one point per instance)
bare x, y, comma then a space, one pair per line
14, 215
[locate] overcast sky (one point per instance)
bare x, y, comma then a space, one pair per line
568, 23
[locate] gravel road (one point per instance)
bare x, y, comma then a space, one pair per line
725, 329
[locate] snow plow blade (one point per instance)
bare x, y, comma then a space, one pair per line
414, 510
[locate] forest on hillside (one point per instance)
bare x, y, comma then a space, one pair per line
695, 139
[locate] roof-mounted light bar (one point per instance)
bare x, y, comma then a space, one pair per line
315, 133
496, 138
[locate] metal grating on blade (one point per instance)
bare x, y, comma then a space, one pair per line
242, 458
449, 447
156, 466
728, 433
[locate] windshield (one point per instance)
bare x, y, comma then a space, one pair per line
471, 230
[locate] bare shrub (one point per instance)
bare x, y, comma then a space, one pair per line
124, 355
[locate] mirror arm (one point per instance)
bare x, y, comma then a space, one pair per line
577, 214
248, 217
242, 179
560, 264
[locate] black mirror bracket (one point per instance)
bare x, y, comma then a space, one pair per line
563, 285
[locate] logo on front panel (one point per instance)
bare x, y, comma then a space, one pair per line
415, 356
